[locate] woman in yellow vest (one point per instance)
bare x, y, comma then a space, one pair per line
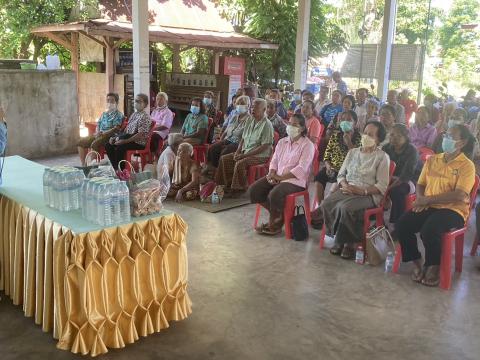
442, 204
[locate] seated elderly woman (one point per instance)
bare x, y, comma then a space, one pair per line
254, 148
387, 118
108, 124
405, 156
348, 103
163, 118
167, 158
340, 143
135, 136
232, 135
289, 171
422, 133
186, 175
195, 126
442, 204
363, 180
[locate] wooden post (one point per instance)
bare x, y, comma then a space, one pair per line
109, 65
74, 53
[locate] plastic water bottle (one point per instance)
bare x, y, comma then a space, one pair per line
389, 262
115, 202
359, 255
106, 201
46, 186
83, 197
215, 198
124, 196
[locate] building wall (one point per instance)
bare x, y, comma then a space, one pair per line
41, 111
91, 94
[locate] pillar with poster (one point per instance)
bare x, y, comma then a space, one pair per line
234, 67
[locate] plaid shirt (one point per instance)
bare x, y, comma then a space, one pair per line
139, 122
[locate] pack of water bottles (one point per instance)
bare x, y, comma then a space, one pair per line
61, 187
105, 201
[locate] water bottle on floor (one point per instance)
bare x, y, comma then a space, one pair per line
124, 202
389, 262
83, 197
359, 255
115, 202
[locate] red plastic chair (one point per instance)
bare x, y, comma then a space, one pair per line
256, 172
367, 217
145, 154
289, 211
425, 153
200, 151
455, 236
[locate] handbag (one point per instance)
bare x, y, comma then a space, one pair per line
379, 244
91, 163
299, 225
131, 177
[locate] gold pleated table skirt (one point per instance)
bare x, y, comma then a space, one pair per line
95, 290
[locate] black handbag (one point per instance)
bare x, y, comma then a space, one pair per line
299, 225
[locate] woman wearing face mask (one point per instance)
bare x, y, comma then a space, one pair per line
405, 156
348, 103
210, 109
442, 204
107, 125
232, 135
135, 136
289, 171
342, 140
458, 117
363, 180
195, 126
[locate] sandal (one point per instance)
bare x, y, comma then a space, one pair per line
259, 229
348, 253
271, 232
417, 275
336, 249
432, 276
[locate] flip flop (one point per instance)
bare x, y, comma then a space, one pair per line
348, 253
270, 232
432, 276
259, 229
417, 275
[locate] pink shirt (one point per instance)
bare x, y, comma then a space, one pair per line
315, 128
162, 117
295, 157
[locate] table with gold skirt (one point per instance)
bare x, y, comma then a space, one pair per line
95, 288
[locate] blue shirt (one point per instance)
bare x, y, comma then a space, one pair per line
281, 110
109, 120
329, 111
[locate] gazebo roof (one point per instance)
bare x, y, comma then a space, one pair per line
184, 22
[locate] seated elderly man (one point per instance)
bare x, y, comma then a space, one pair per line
278, 124
163, 118
109, 123
167, 158
254, 148
289, 172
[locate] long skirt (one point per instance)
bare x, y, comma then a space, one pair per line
343, 216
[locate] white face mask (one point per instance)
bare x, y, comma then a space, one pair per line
111, 106
367, 141
293, 131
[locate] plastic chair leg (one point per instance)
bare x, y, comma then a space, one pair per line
473, 252
257, 215
446, 263
321, 243
398, 258
459, 253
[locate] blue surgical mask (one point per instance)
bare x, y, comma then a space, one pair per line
448, 145
297, 97
242, 109
346, 126
195, 110
207, 101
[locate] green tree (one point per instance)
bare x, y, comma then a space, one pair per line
459, 46
18, 17
276, 21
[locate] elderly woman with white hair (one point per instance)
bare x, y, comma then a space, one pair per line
254, 148
163, 118
186, 175
167, 158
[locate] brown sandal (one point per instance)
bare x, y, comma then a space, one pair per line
418, 274
348, 253
336, 249
432, 276
271, 232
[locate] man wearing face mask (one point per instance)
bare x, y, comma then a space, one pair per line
135, 135
210, 109
458, 117
231, 136
109, 123
288, 173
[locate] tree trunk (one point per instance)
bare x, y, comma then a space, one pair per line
24, 45
37, 46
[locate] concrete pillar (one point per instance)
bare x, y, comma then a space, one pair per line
215, 63
385, 56
301, 48
176, 58
141, 66
75, 59
110, 65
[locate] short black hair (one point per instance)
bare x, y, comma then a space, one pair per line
403, 130
114, 95
302, 122
465, 134
389, 108
362, 89
351, 98
309, 102
381, 131
202, 106
144, 98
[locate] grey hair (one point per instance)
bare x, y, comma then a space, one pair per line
174, 139
244, 98
188, 146
260, 101
164, 94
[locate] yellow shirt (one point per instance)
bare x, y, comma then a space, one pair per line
440, 177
